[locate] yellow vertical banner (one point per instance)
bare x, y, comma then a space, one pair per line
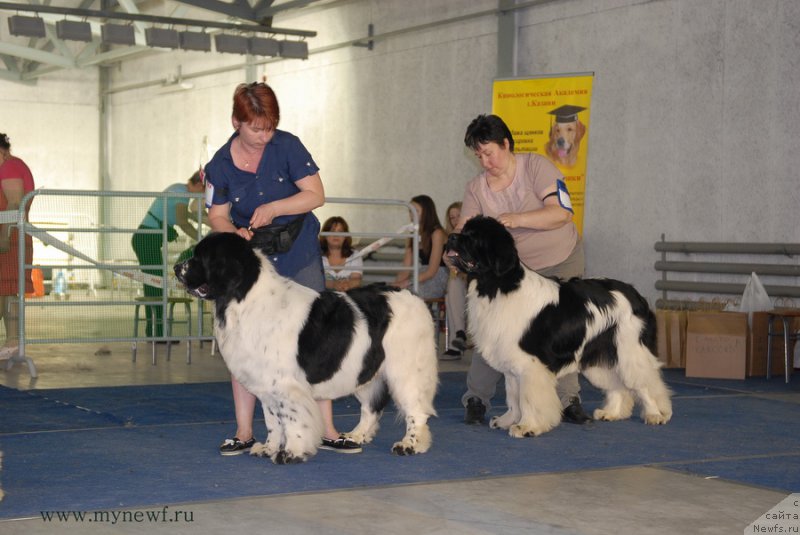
550, 116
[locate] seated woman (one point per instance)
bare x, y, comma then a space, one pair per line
433, 273
341, 272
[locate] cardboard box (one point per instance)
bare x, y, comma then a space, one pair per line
671, 337
716, 344
757, 347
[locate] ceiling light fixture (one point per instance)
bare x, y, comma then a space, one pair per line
161, 37
199, 41
74, 30
294, 49
26, 26
232, 44
117, 34
259, 46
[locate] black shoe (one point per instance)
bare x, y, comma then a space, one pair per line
450, 354
476, 411
574, 413
234, 446
341, 445
460, 341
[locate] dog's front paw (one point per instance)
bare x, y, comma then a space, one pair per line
523, 431
358, 438
286, 457
656, 419
261, 450
503, 421
607, 416
407, 448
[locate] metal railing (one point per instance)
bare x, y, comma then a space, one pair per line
777, 261
108, 239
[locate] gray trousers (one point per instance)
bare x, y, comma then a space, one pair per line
455, 301
482, 379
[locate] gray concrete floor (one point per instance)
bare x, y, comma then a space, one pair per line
631, 500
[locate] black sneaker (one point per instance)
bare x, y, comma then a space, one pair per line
460, 341
476, 411
450, 354
234, 446
340, 445
574, 413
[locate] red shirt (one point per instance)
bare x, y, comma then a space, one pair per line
13, 167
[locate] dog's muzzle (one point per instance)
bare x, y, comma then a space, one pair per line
201, 291
180, 271
452, 248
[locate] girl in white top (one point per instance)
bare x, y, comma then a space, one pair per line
341, 272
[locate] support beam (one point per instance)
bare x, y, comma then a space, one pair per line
257, 28
32, 54
239, 9
269, 10
506, 39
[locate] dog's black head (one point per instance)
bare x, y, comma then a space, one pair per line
223, 267
486, 252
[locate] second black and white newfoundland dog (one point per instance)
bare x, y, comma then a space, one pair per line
534, 328
290, 346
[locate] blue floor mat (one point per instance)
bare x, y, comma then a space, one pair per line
109, 448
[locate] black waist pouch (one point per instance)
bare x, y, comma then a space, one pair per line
275, 238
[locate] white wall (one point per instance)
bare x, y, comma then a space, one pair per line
694, 121
693, 127
53, 126
386, 123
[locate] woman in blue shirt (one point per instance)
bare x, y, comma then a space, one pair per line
261, 176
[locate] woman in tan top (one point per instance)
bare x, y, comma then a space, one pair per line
527, 194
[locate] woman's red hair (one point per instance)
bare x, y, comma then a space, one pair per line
256, 102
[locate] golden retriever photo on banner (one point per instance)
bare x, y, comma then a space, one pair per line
566, 134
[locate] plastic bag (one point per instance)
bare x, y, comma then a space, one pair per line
754, 298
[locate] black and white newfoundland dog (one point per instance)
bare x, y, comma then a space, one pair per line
290, 346
534, 329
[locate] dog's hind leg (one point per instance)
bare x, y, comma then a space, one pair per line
410, 371
414, 399
618, 398
373, 397
640, 370
418, 437
653, 393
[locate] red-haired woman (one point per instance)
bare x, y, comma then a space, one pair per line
261, 176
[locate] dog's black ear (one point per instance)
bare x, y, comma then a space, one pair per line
504, 260
500, 247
